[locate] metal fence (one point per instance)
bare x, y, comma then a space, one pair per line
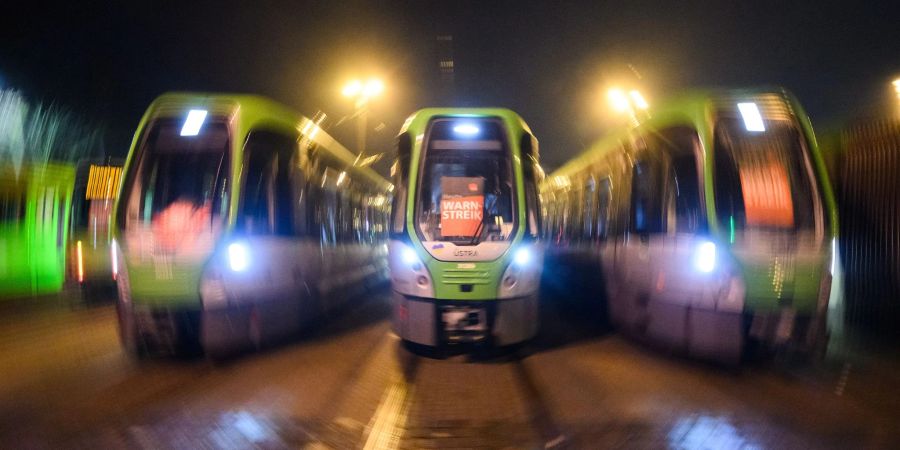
868, 190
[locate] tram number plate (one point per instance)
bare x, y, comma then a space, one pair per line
464, 318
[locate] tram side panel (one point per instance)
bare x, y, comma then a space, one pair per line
309, 262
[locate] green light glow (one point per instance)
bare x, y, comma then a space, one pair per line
731, 229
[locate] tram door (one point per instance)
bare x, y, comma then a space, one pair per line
644, 226
606, 247
267, 218
664, 227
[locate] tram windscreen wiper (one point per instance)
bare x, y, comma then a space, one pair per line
476, 237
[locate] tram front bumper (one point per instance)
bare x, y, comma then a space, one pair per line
236, 328
434, 322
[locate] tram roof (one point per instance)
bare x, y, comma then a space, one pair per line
689, 107
418, 120
257, 110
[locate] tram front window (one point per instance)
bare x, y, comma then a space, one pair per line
465, 193
762, 182
179, 185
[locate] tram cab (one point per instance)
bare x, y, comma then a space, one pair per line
711, 222
239, 223
465, 255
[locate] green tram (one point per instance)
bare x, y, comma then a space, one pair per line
712, 223
34, 209
238, 223
464, 254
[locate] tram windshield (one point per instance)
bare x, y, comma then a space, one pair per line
465, 185
179, 184
762, 180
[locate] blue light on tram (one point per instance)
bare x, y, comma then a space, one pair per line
466, 129
752, 118
408, 256
705, 257
834, 254
193, 122
522, 257
238, 257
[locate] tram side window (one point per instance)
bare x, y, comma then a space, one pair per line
352, 224
266, 203
343, 211
683, 201
357, 221
565, 216
326, 217
532, 200
729, 201
572, 215
604, 195
646, 201
400, 172
589, 207
549, 212
332, 205
545, 218
299, 185
313, 191
553, 226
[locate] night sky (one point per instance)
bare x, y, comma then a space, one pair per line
550, 61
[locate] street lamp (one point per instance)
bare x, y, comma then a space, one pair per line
628, 103
619, 101
638, 99
361, 93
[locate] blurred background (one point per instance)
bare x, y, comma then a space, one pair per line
76, 78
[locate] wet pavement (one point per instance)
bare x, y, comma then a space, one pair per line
351, 384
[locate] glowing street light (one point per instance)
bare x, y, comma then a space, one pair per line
638, 99
352, 89
896, 84
628, 103
373, 88
619, 101
362, 92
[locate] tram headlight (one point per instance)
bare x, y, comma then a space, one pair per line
522, 257
409, 275
705, 257
238, 257
408, 256
522, 275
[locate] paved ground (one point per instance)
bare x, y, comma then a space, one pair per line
349, 384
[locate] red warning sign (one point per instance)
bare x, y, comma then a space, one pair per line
462, 206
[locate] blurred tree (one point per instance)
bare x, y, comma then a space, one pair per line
40, 133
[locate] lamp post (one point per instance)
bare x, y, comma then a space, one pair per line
628, 103
361, 93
